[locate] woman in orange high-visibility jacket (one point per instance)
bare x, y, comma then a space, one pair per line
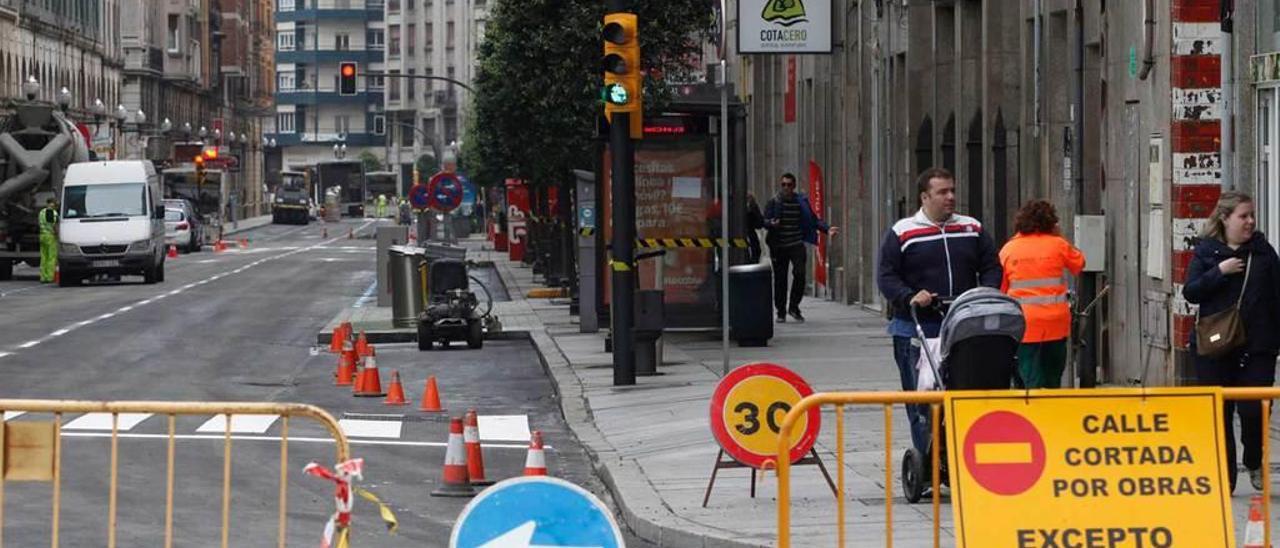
1037, 264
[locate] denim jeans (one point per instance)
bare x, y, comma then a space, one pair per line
906, 354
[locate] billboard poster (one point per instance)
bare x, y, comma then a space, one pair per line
784, 26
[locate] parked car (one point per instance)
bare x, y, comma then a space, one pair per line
193, 218
178, 231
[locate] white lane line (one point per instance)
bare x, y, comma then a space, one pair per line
242, 424
357, 428
155, 298
13, 414
102, 421
124, 309
291, 438
367, 296
60, 332
504, 427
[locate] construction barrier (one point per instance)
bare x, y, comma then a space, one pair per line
32, 451
678, 243
1202, 441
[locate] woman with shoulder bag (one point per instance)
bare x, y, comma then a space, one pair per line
1235, 278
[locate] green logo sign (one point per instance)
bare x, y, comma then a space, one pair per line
784, 12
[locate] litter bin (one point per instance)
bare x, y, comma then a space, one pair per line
751, 295
650, 314
406, 285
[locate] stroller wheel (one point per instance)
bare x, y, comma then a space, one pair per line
913, 477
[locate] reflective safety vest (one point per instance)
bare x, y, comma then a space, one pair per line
1037, 269
48, 220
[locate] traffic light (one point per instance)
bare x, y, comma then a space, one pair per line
347, 78
623, 81
199, 162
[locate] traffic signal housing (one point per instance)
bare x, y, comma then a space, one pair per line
199, 163
623, 80
347, 78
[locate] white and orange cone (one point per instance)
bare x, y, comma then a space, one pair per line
475, 457
456, 481
535, 464
369, 384
1254, 531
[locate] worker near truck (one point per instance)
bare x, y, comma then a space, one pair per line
382, 205
48, 240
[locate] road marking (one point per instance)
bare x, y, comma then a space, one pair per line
13, 414
243, 424
60, 332
357, 428
102, 421
3, 354
504, 427
291, 438
368, 294
155, 298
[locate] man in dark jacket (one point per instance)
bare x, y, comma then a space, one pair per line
792, 223
934, 253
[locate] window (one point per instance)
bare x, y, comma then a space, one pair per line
394, 39
285, 81
448, 35
173, 38
407, 134
111, 200
376, 39
412, 84
395, 86
379, 125
284, 122
286, 5
393, 5
430, 38
284, 40
376, 82
411, 39
342, 124
342, 42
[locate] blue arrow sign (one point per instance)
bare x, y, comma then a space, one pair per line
536, 512
468, 190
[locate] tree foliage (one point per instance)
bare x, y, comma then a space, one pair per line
538, 81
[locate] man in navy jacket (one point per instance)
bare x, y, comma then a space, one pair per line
792, 223
935, 252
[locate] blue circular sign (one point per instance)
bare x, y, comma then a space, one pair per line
419, 198
469, 191
445, 191
536, 511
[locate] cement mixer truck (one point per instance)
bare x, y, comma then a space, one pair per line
37, 143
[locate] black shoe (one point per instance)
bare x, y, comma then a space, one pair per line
782, 318
797, 315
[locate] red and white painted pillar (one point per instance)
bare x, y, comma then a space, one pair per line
1195, 70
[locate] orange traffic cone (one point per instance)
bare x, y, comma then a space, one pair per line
370, 384
395, 394
244, 243
456, 482
362, 345
1254, 531
475, 458
431, 397
338, 337
57, 274
346, 365
535, 464
219, 246
173, 251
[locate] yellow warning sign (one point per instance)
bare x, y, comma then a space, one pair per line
1115, 468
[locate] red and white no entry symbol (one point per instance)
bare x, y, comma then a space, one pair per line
1004, 453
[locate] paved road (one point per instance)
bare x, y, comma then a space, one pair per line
240, 325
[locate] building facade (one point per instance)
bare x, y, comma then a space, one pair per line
437, 38
247, 68
1119, 123
312, 38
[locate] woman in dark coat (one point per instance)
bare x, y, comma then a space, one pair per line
1227, 249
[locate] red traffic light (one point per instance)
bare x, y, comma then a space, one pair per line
211, 154
348, 70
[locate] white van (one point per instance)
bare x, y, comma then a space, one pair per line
112, 221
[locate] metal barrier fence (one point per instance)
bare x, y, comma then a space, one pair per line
40, 446
935, 400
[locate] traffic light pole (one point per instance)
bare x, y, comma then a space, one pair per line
623, 169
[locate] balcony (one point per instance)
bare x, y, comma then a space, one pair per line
322, 10
324, 96
315, 56
323, 139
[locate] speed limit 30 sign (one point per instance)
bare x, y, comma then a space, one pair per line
747, 409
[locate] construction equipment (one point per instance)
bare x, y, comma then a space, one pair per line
37, 143
452, 311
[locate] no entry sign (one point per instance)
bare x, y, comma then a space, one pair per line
1083, 468
747, 409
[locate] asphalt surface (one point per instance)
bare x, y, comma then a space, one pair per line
240, 326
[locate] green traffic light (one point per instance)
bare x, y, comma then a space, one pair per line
616, 94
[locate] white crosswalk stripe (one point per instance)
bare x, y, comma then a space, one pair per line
240, 424
504, 427
102, 421
358, 428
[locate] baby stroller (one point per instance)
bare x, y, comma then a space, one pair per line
978, 347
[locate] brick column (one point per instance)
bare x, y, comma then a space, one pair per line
1195, 134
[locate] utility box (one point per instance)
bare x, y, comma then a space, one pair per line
388, 236
587, 234
1091, 238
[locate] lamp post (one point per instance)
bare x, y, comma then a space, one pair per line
64, 99
31, 88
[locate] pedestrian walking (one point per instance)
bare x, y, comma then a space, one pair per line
48, 222
934, 253
1037, 263
1234, 275
755, 221
792, 223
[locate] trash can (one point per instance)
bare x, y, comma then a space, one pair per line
406, 285
751, 295
650, 315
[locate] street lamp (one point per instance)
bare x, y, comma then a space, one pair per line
203, 133
139, 118
231, 136
64, 99
121, 113
166, 126
31, 88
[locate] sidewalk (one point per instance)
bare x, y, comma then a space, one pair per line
245, 225
652, 442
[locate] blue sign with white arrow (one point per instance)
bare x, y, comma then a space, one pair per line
536, 512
